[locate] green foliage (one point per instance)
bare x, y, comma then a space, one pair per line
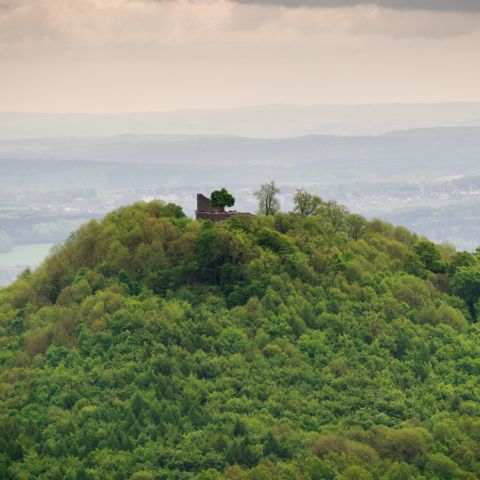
430, 256
305, 203
356, 225
268, 203
172, 210
221, 198
161, 209
316, 347
466, 284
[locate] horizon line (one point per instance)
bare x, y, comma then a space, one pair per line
246, 107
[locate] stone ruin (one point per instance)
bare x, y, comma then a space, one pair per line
205, 211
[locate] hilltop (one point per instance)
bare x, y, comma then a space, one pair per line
152, 346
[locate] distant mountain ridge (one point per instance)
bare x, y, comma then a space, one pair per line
264, 121
408, 155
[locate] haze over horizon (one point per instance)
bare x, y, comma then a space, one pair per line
247, 106
268, 121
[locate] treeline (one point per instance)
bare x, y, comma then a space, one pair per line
307, 345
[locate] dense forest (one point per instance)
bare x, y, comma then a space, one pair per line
309, 345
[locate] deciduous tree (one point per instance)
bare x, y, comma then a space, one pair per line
305, 203
221, 199
268, 202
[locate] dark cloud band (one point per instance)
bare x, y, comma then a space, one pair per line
435, 5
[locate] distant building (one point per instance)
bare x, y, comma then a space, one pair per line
205, 211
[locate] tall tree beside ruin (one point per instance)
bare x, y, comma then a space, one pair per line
268, 202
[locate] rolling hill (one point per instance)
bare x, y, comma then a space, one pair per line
158, 347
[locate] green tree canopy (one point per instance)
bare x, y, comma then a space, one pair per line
466, 284
221, 199
153, 346
305, 203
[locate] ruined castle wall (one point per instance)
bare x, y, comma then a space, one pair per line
203, 203
213, 216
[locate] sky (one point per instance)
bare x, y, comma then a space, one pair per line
71, 56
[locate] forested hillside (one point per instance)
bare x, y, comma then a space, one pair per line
152, 346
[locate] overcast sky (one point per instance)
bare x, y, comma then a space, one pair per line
145, 55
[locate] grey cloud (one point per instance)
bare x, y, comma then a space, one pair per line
431, 5
8, 4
